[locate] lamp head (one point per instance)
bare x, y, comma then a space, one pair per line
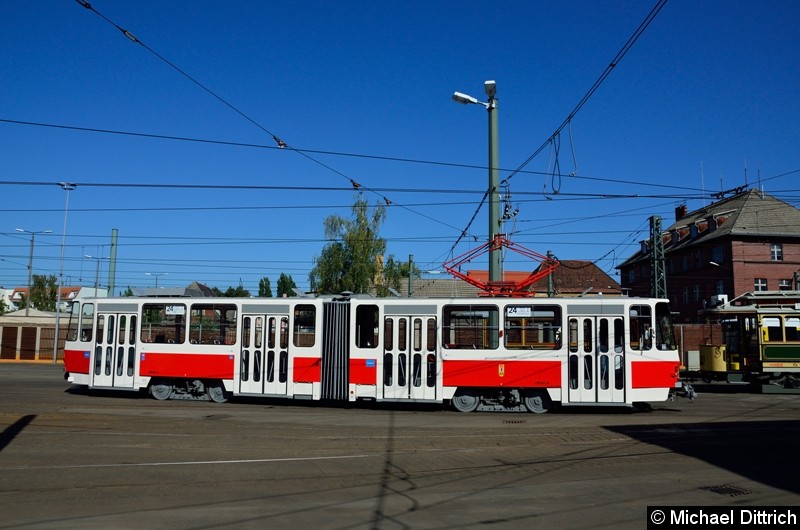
464, 99
490, 87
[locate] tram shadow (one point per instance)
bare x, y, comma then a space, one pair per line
756, 450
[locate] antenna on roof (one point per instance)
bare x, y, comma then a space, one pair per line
703, 183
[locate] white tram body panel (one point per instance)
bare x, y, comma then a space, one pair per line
490, 351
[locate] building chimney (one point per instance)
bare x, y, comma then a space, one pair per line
680, 212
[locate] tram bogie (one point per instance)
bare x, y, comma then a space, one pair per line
474, 354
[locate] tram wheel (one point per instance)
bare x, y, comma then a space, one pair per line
538, 403
161, 390
216, 392
466, 401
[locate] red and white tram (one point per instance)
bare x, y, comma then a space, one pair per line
478, 353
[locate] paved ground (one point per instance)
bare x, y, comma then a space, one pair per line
71, 459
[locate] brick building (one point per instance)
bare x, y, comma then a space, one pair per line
744, 243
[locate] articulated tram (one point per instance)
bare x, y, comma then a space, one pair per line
476, 354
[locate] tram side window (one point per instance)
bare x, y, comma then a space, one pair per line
771, 329
212, 324
792, 327
665, 329
81, 320
305, 325
535, 327
367, 322
641, 327
470, 326
164, 323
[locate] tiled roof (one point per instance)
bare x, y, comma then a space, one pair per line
747, 214
571, 277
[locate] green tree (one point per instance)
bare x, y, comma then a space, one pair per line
286, 285
237, 292
393, 272
217, 291
350, 261
264, 289
127, 292
3, 307
44, 292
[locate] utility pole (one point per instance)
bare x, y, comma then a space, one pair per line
658, 276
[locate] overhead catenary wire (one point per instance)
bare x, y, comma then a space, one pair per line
571, 175
281, 143
551, 141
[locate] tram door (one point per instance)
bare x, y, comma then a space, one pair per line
264, 358
409, 358
113, 360
596, 371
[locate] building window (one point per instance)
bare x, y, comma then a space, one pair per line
717, 255
696, 292
685, 295
760, 284
684, 263
720, 287
776, 252
784, 285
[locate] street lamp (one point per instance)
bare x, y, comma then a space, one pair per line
490, 88
30, 263
97, 274
156, 274
68, 187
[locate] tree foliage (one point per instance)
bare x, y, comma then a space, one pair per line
350, 261
393, 272
264, 289
44, 292
286, 285
237, 292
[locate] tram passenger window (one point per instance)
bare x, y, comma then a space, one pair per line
470, 326
602, 339
101, 321
604, 372
431, 334
74, 322
533, 327
587, 336
388, 334
284, 338
665, 330
792, 327
417, 334
164, 323
367, 322
641, 327
387, 369
305, 325
87, 321
212, 324
588, 372
573, 372
619, 335
619, 372
402, 334
573, 336
771, 329
431, 369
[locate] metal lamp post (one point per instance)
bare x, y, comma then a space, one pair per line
495, 255
30, 263
156, 274
68, 187
97, 273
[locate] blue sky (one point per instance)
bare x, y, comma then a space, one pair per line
363, 90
